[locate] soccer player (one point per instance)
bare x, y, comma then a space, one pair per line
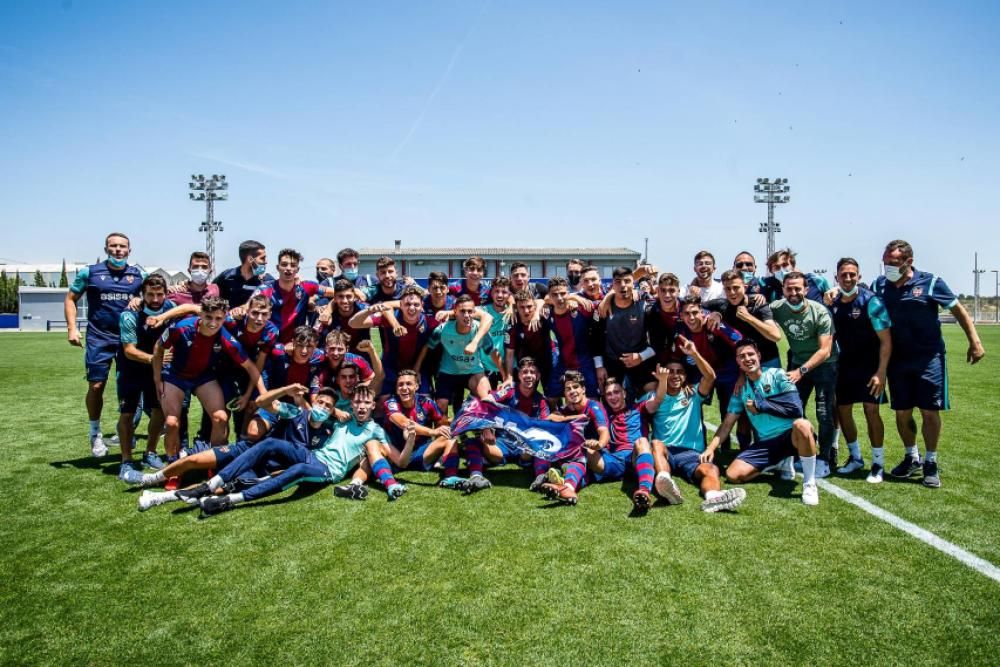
438, 297
812, 360
109, 285
678, 434
258, 336
573, 331
780, 264
574, 271
704, 283
238, 284
432, 433
135, 373
628, 444
746, 315
348, 260
627, 353
473, 270
389, 287
862, 334
772, 401
590, 285
918, 376
499, 308
197, 344
405, 333
345, 305
746, 265
290, 296
520, 280
529, 336
463, 340
329, 463
337, 355
562, 483
662, 315
197, 287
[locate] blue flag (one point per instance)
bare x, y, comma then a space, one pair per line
546, 440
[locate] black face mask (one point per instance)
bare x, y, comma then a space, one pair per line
320, 276
573, 278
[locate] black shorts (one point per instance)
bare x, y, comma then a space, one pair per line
852, 385
919, 383
133, 387
764, 453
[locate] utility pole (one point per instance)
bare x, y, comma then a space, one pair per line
771, 193
977, 272
209, 190
645, 252
996, 296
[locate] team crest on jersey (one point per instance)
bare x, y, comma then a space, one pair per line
217, 347
767, 387
130, 279
855, 313
685, 402
917, 291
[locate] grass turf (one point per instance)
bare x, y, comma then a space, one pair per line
501, 577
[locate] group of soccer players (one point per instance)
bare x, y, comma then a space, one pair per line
294, 390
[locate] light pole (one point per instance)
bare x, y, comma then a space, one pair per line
770, 192
209, 190
976, 272
996, 296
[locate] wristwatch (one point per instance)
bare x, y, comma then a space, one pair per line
803, 369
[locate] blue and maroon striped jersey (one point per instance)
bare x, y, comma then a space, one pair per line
289, 309
195, 354
627, 426
401, 352
424, 412
533, 406
282, 370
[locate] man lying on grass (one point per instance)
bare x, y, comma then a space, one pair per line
341, 453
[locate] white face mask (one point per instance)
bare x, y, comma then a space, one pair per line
894, 273
780, 275
199, 276
850, 292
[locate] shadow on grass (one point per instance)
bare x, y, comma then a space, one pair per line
106, 464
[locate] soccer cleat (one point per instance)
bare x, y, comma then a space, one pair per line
537, 484
97, 446
667, 489
852, 465
173, 483
908, 467
931, 479
452, 482
152, 460
396, 491
351, 491
810, 494
728, 501
786, 469
126, 469
554, 476
564, 493
214, 504
475, 483
192, 495
640, 500
115, 441
149, 499
822, 469
875, 476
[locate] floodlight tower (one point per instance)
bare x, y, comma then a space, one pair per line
976, 271
209, 190
770, 192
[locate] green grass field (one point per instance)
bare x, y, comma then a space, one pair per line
501, 577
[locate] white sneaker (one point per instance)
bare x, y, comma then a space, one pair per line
149, 499
787, 469
822, 469
810, 494
852, 465
97, 446
667, 489
115, 441
728, 501
875, 476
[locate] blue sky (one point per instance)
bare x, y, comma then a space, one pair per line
503, 123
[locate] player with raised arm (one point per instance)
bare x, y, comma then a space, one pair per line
338, 314
529, 335
678, 434
628, 444
298, 363
499, 308
108, 286
862, 334
772, 401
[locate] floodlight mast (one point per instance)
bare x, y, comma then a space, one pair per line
770, 192
209, 190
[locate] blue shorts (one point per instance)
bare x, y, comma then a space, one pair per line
919, 383
683, 461
512, 454
764, 453
417, 460
615, 465
226, 454
852, 384
188, 385
133, 387
554, 388
448, 386
99, 353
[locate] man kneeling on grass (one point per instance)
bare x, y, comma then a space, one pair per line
772, 402
331, 462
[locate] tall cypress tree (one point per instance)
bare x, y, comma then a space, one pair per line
63, 279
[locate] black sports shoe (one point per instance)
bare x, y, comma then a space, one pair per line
931, 479
351, 491
191, 496
215, 504
908, 467
536, 485
475, 483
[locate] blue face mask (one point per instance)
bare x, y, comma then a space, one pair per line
351, 274
748, 277
849, 293
149, 311
799, 308
318, 414
780, 275
259, 269
116, 263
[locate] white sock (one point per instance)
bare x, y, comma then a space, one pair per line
153, 477
95, 427
356, 482
878, 456
663, 474
808, 469
215, 483
711, 495
236, 497
855, 449
912, 451
931, 456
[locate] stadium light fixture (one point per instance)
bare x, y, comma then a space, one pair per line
209, 190
771, 193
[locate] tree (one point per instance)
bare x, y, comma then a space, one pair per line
4, 292
63, 279
39, 279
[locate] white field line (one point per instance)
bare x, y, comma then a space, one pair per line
968, 559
